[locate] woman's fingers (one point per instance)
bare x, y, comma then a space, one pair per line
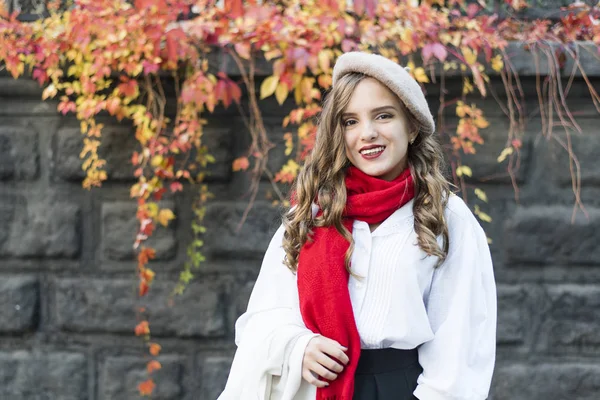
312, 379
334, 349
329, 363
323, 372
320, 361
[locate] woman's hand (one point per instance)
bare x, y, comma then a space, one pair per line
319, 360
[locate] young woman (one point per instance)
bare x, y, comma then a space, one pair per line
379, 283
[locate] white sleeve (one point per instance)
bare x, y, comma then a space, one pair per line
270, 335
458, 362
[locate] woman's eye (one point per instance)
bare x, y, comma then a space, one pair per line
349, 122
384, 116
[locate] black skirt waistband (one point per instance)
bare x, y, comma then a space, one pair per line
377, 361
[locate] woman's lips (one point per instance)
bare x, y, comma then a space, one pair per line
372, 153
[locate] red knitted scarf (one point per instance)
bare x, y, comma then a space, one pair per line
322, 276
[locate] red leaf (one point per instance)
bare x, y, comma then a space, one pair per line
234, 8
472, 9
128, 87
176, 187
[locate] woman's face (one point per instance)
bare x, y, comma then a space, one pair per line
376, 130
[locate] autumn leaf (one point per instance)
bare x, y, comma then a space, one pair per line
153, 366
146, 254
155, 349
420, 75
481, 195
142, 329
281, 93
147, 275
143, 288
497, 63
469, 55
241, 164
289, 143
146, 388
49, 92
464, 170
243, 50
268, 86
164, 216
505, 153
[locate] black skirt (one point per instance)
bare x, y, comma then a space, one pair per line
387, 374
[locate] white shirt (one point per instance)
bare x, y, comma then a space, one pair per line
402, 301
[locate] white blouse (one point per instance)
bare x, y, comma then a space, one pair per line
400, 301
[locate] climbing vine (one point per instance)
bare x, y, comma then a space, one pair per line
127, 59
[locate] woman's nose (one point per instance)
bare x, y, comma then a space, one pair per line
369, 132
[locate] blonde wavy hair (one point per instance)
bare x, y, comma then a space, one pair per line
322, 176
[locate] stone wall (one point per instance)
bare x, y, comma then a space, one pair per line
68, 291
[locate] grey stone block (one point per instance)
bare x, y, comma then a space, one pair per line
118, 144
19, 154
222, 220
43, 376
102, 305
545, 234
215, 371
120, 376
120, 225
511, 315
572, 320
48, 227
19, 304
546, 382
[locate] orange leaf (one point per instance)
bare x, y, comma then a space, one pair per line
241, 164
146, 254
155, 349
142, 329
146, 388
153, 366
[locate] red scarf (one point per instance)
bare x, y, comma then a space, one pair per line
322, 276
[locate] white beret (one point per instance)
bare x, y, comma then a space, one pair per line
395, 77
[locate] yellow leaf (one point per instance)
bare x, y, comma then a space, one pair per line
164, 216
497, 63
505, 153
481, 195
49, 92
291, 167
461, 109
268, 86
289, 143
157, 161
281, 93
464, 170
481, 215
152, 209
324, 60
481, 122
421, 76
470, 55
